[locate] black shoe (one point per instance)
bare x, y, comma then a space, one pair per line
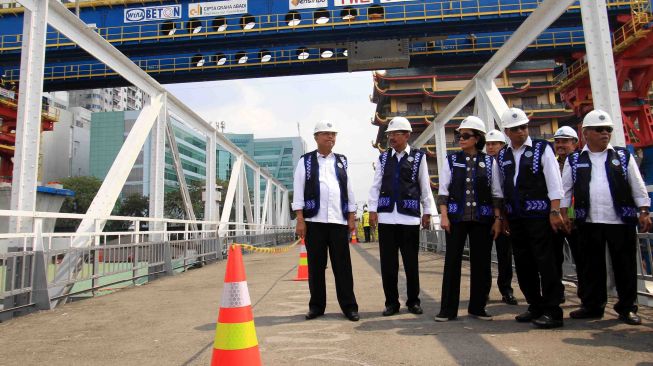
526, 317
312, 314
415, 309
390, 310
585, 313
481, 315
509, 299
547, 322
630, 318
443, 318
352, 315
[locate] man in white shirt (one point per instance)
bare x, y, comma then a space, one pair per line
325, 207
608, 193
532, 190
401, 184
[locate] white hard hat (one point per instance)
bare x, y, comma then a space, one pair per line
597, 118
513, 117
324, 127
472, 122
399, 124
565, 132
495, 136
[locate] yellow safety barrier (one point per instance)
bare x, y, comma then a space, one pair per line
275, 250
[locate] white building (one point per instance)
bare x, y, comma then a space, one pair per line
108, 100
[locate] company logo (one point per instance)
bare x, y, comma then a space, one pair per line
217, 8
352, 2
152, 13
307, 4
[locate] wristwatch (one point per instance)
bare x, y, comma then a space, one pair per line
555, 212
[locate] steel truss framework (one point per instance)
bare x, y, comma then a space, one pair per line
153, 121
489, 104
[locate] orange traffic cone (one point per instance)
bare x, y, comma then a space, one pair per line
354, 238
235, 335
302, 268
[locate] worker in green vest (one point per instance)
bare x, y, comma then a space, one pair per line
365, 219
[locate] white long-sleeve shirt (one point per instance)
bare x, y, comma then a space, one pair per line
330, 211
426, 196
601, 210
550, 168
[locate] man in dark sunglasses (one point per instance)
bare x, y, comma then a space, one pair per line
610, 200
532, 191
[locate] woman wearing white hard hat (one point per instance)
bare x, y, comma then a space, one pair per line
470, 207
325, 206
610, 200
494, 142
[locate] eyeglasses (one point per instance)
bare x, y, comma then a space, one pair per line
601, 129
465, 136
518, 128
394, 133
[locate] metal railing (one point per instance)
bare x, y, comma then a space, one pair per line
443, 10
33, 264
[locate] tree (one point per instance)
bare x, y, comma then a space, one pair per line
135, 205
85, 189
174, 204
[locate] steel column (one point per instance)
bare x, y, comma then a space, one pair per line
157, 170
181, 177
211, 204
600, 59
28, 126
231, 193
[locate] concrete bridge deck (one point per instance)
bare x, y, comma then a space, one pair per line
172, 322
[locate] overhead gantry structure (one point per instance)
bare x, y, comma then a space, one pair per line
193, 42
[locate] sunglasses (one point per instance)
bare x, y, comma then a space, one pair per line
465, 136
601, 129
518, 128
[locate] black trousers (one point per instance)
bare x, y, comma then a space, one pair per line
392, 239
480, 248
504, 260
366, 229
333, 238
535, 264
559, 247
622, 246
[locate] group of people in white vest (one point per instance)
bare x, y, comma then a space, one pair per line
517, 194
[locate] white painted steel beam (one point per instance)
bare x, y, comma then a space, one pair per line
211, 204
265, 215
247, 202
236, 169
600, 59
536, 23
157, 170
179, 169
28, 126
257, 196
493, 102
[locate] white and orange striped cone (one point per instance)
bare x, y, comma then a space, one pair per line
302, 268
235, 335
354, 238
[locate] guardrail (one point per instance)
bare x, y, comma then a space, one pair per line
33, 264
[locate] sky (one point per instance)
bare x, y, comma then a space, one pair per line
272, 107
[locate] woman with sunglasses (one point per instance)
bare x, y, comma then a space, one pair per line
470, 201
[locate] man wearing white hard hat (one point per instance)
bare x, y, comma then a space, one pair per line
494, 142
401, 183
532, 191
325, 207
470, 201
565, 142
610, 200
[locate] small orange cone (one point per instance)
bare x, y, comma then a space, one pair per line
235, 335
302, 268
354, 239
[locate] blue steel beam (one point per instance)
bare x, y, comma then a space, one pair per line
271, 24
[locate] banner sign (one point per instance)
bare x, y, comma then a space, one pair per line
352, 2
217, 8
394, 1
151, 13
307, 4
